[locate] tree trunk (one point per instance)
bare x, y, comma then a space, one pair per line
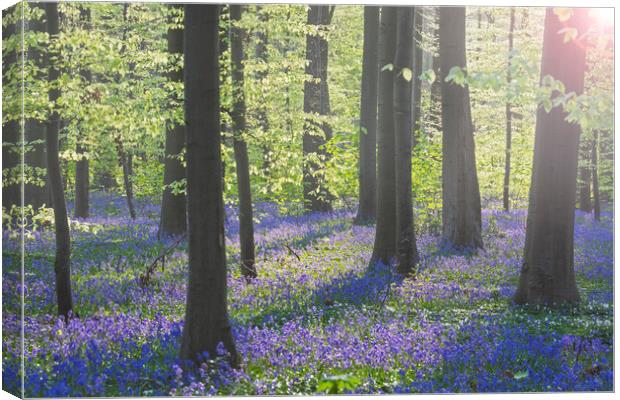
385, 235
509, 115
595, 188
11, 131
125, 161
585, 197
82, 178
367, 211
403, 128
173, 206
246, 224
461, 196
261, 112
62, 263
547, 275
316, 105
417, 69
35, 162
206, 315
435, 116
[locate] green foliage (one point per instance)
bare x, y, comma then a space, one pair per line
337, 384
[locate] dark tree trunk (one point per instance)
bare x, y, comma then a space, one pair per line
11, 133
461, 195
403, 127
125, 161
585, 172
316, 104
595, 188
547, 275
173, 206
82, 178
367, 211
35, 162
206, 315
261, 54
509, 115
246, 224
62, 263
418, 54
385, 235
435, 116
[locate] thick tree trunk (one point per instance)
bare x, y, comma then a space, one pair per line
206, 315
62, 263
595, 188
11, 133
417, 70
385, 234
403, 128
316, 104
585, 172
246, 224
461, 196
367, 211
509, 115
173, 206
82, 178
547, 275
35, 162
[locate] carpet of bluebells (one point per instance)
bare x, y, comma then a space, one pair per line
317, 319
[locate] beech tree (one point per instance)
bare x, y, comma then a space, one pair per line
461, 219
173, 206
246, 224
367, 209
547, 275
62, 263
403, 129
206, 314
316, 106
384, 249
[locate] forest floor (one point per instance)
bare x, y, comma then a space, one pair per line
316, 319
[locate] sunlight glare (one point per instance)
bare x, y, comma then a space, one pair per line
603, 16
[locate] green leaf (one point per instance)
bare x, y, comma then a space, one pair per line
521, 375
429, 76
563, 14
569, 34
387, 67
407, 74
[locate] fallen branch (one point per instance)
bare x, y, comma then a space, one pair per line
145, 278
292, 252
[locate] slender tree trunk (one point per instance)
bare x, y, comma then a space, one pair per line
461, 196
246, 224
173, 206
62, 263
509, 115
547, 275
585, 197
403, 128
82, 178
316, 104
367, 210
385, 235
35, 193
260, 52
417, 69
595, 188
436, 85
206, 315
11, 132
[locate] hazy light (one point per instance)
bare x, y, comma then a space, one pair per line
603, 16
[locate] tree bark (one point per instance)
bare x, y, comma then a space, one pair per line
206, 315
260, 52
595, 188
417, 69
435, 116
62, 263
35, 193
82, 178
585, 172
403, 127
547, 275
461, 195
367, 211
384, 249
174, 206
509, 114
246, 224
316, 104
